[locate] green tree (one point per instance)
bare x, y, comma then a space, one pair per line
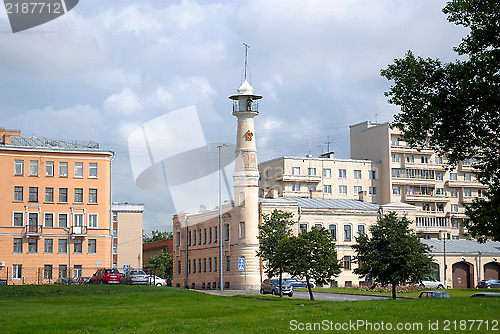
158, 235
275, 228
311, 255
163, 263
455, 107
393, 254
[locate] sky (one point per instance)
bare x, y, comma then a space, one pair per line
108, 68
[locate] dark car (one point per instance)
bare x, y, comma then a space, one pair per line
136, 277
298, 283
489, 283
103, 276
434, 294
3, 281
66, 281
272, 286
83, 280
486, 294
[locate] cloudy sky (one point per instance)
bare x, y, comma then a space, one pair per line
108, 67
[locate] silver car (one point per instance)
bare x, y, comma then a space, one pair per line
431, 283
136, 277
272, 286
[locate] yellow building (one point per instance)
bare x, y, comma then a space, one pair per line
55, 218
127, 235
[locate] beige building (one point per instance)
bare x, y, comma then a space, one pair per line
127, 235
418, 177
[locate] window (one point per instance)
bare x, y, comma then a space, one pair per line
63, 195
480, 193
18, 219
438, 160
327, 173
226, 232
453, 192
92, 169
424, 159
347, 232
372, 175
311, 171
194, 266
332, 229
77, 246
209, 235
396, 190
209, 264
302, 228
115, 249
319, 226
439, 191
19, 167
78, 195
33, 168
268, 175
439, 176
63, 169
33, 221
47, 272
453, 176
92, 246
77, 222
295, 187
199, 265
93, 220
357, 189
194, 237
347, 262
467, 193
189, 267
228, 263
361, 230
63, 271
115, 216
342, 174
372, 191
33, 195
115, 233
215, 234
77, 271
454, 208
440, 207
49, 168
49, 195
33, 245
410, 158
327, 189
215, 264
17, 271
63, 220
48, 246
467, 176
205, 265
18, 194
62, 246
343, 190
295, 170
199, 236
395, 141
395, 158
49, 220
357, 174
241, 230
92, 196
78, 169
18, 245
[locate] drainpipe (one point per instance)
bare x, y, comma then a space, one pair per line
187, 257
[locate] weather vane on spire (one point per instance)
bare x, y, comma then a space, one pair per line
246, 62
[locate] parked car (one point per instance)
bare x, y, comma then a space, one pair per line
83, 280
103, 276
66, 281
136, 277
298, 283
3, 281
489, 283
486, 294
272, 286
158, 281
434, 294
431, 283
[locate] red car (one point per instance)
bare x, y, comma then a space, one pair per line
106, 276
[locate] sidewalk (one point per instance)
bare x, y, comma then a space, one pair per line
229, 293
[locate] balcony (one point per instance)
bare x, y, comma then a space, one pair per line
412, 181
33, 230
299, 178
418, 197
465, 184
78, 230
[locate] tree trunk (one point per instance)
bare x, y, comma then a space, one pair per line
393, 290
281, 283
311, 296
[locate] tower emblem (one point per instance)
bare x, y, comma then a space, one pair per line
248, 135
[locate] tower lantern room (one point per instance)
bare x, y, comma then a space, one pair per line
245, 101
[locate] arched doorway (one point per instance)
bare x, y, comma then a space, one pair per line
463, 275
492, 270
435, 271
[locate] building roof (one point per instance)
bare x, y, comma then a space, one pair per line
34, 142
318, 158
319, 203
127, 207
463, 246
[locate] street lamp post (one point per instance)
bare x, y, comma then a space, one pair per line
220, 222
69, 252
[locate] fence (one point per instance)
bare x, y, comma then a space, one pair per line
42, 275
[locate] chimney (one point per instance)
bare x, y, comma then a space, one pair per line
5, 135
316, 194
362, 196
6, 139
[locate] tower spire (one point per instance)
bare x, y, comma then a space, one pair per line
246, 61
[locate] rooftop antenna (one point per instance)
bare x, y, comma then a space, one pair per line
246, 62
328, 142
376, 117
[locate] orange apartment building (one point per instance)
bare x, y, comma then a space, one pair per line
55, 218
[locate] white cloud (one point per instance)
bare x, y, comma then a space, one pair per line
124, 103
132, 19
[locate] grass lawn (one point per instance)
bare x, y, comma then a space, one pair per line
131, 309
